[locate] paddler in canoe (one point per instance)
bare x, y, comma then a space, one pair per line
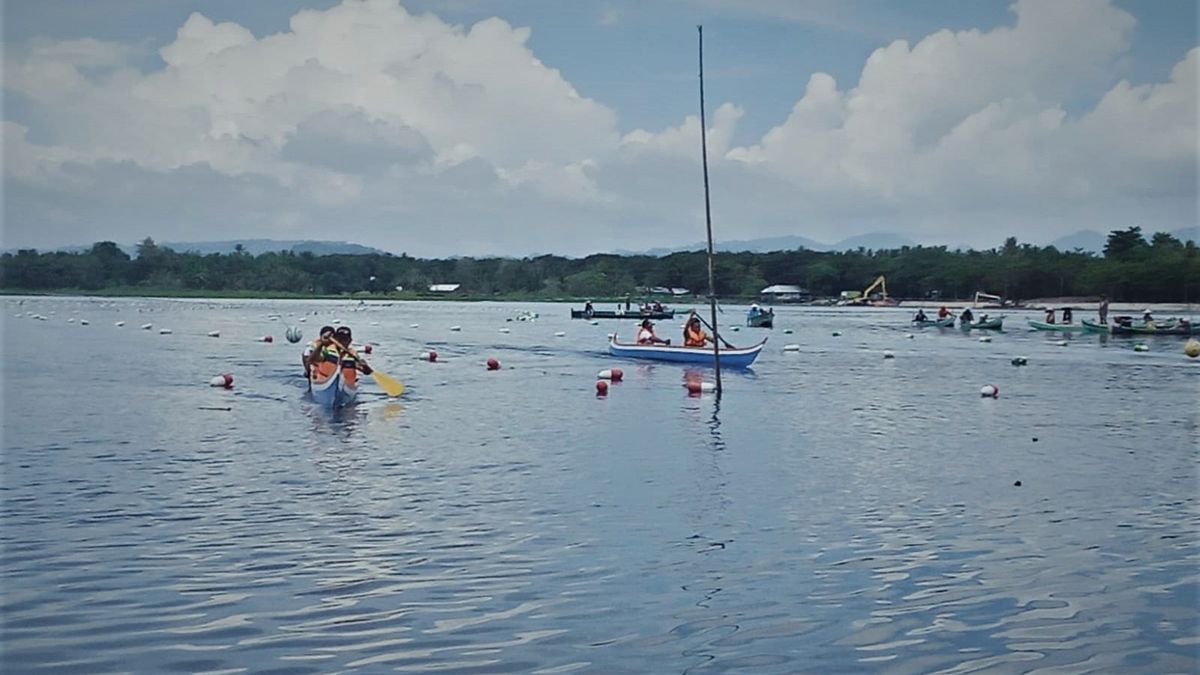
334, 351
693, 333
646, 336
920, 317
309, 358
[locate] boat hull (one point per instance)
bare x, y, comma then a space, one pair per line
991, 324
947, 322
730, 358
632, 315
1093, 327
1175, 329
1060, 327
333, 392
761, 321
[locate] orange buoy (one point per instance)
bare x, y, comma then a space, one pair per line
601, 388
367, 348
225, 381
493, 364
614, 374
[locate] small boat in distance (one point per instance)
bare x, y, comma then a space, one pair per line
730, 358
758, 318
638, 314
947, 322
985, 323
1060, 327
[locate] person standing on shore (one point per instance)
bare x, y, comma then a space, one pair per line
1104, 309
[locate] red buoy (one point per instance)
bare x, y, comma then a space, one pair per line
493, 364
430, 356
614, 374
268, 338
367, 349
601, 388
225, 381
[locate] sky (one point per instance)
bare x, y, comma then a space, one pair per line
518, 127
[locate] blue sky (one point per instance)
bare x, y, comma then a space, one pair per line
619, 166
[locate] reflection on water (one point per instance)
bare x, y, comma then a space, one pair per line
834, 511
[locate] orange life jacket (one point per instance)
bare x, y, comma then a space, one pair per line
693, 338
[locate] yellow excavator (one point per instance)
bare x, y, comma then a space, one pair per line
881, 300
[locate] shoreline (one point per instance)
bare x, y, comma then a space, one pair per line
1038, 304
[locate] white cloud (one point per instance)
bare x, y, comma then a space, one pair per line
420, 135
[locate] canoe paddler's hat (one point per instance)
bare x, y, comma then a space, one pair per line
646, 323
343, 335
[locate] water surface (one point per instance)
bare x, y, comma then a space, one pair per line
835, 512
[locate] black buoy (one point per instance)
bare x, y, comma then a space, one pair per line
1017, 484
1035, 439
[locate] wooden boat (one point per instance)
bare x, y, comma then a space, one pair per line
621, 314
1093, 327
1061, 327
333, 392
761, 320
991, 323
947, 322
1177, 328
730, 358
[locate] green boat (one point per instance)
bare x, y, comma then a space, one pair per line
1061, 327
947, 322
991, 323
1093, 327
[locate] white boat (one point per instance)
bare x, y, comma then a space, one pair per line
333, 392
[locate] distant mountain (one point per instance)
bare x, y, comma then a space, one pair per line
259, 246
251, 246
873, 240
1086, 240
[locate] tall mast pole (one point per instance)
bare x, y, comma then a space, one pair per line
712, 291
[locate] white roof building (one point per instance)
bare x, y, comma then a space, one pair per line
443, 288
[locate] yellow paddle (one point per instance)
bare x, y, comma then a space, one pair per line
390, 385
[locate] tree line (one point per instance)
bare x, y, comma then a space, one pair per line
1131, 268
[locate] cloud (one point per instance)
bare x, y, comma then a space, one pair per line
415, 134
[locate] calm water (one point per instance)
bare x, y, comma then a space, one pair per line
836, 512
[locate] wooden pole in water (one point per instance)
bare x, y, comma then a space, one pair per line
712, 291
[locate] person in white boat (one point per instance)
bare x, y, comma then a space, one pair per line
646, 336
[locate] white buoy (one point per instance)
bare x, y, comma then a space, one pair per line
336, 321
1141, 348
147, 326
119, 324
302, 319
735, 328
374, 323
1192, 348
985, 338
791, 348
84, 322
910, 336
1062, 343
561, 333
595, 323
164, 331
455, 329
214, 333
505, 330
888, 355
837, 333
71, 319
414, 325
989, 390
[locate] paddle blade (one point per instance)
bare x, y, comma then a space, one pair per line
390, 385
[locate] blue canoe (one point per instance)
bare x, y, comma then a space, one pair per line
333, 392
730, 358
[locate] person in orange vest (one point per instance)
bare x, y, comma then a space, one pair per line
350, 361
693, 334
646, 336
314, 353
